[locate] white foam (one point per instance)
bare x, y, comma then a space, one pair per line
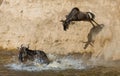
62, 63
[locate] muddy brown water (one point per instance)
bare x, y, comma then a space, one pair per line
6, 57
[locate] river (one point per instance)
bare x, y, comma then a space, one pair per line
70, 65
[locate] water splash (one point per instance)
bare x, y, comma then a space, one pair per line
57, 63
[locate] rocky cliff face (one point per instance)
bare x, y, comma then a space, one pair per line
37, 22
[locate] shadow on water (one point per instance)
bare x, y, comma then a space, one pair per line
9, 57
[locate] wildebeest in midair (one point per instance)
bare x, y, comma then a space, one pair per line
26, 54
77, 15
92, 34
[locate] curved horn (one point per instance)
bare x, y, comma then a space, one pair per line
21, 45
28, 45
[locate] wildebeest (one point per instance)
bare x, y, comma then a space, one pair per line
92, 34
26, 54
77, 15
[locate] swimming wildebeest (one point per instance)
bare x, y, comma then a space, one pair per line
92, 34
77, 15
26, 54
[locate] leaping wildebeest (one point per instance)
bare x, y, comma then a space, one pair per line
26, 54
77, 15
92, 34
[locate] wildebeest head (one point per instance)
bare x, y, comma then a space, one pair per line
65, 24
70, 17
22, 53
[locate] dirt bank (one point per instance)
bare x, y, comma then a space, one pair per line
37, 22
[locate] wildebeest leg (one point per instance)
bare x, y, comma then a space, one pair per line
95, 22
20, 57
92, 23
43, 57
87, 43
91, 44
